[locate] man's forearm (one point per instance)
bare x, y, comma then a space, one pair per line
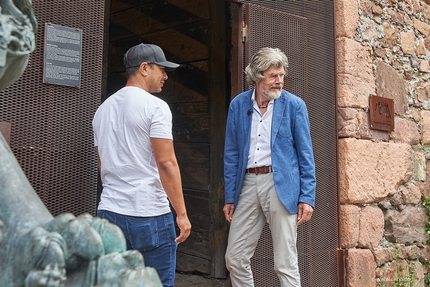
171, 180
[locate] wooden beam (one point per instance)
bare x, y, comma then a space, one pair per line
218, 99
236, 73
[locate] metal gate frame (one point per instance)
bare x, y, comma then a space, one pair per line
318, 240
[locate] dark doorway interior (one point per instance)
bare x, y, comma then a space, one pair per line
191, 33
206, 37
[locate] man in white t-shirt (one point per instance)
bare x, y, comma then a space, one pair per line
137, 162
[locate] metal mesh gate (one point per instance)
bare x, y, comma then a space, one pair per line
51, 133
305, 31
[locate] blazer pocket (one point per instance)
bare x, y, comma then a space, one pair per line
284, 130
295, 180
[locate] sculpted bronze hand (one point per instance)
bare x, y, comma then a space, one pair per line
17, 27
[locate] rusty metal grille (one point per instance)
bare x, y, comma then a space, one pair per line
304, 31
291, 39
51, 133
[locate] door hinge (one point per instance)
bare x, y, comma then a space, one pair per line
244, 32
342, 258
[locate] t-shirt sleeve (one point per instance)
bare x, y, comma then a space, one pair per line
94, 133
161, 125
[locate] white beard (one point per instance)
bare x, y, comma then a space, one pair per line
270, 95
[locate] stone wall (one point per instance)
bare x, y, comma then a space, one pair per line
383, 49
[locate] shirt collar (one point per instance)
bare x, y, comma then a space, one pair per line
255, 102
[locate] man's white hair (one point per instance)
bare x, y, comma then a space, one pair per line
262, 60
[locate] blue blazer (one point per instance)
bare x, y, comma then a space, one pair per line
292, 155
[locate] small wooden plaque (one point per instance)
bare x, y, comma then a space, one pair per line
381, 113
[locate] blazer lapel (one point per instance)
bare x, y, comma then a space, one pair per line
278, 111
246, 113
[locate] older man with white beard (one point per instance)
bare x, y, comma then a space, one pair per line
269, 170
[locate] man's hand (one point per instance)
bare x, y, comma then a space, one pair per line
305, 213
228, 211
184, 228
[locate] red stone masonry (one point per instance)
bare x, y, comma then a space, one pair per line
383, 49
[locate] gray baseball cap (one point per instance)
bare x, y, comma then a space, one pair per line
149, 53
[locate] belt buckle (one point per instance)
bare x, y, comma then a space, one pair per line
264, 169
259, 170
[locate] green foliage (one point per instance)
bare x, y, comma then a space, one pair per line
426, 204
403, 277
427, 276
404, 273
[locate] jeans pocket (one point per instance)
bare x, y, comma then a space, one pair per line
101, 214
143, 233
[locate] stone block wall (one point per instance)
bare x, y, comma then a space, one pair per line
383, 49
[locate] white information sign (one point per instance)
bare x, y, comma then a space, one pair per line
62, 55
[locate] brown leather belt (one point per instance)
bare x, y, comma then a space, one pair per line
259, 170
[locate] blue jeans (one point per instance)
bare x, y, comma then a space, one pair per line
154, 237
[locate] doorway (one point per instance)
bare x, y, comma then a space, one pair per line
212, 41
192, 33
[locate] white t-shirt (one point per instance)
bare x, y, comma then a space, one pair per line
123, 126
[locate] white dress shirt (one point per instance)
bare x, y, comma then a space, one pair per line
259, 148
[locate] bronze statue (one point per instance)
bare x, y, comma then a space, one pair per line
17, 27
37, 249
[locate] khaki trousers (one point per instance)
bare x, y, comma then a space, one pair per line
258, 203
